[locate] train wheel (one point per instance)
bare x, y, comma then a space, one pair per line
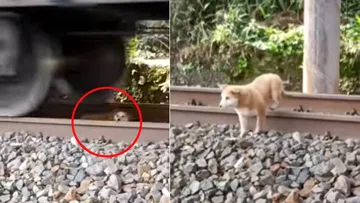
25, 77
100, 61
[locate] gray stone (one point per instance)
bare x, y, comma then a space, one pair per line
226, 152
353, 199
2, 169
114, 182
96, 169
63, 188
253, 190
38, 169
351, 157
256, 168
241, 195
222, 185
42, 157
261, 194
205, 166
203, 174
80, 176
322, 169
261, 154
334, 196
19, 184
217, 199
303, 176
194, 187
339, 166
122, 197
213, 166
297, 137
343, 185
284, 190
111, 167
5, 198
190, 167
172, 158
201, 163
234, 184
267, 179
206, 185
191, 199
261, 201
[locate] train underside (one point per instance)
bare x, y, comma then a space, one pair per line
74, 47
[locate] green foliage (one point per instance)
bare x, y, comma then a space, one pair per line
146, 84
193, 21
150, 46
350, 57
154, 46
132, 47
246, 49
243, 38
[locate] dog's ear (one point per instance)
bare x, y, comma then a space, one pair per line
222, 86
237, 91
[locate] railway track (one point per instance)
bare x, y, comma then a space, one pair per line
333, 104
54, 118
344, 126
115, 131
40, 151
302, 151
327, 112
63, 109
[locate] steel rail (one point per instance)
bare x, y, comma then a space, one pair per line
63, 109
333, 104
315, 123
116, 131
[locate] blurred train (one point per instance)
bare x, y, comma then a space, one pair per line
44, 43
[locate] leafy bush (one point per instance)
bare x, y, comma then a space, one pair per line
350, 58
241, 39
246, 49
152, 45
146, 84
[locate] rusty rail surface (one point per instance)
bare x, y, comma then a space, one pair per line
63, 109
316, 123
116, 131
333, 104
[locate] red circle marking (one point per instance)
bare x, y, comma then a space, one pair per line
114, 89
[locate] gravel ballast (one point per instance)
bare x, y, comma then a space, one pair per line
272, 167
39, 169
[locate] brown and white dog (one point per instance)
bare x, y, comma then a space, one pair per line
115, 116
253, 99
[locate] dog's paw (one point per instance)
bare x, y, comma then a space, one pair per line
242, 134
257, 131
